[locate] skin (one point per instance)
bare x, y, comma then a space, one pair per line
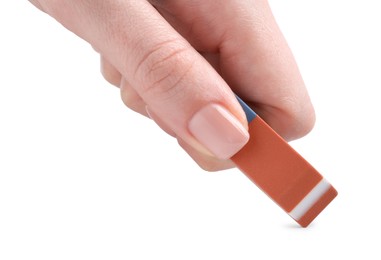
170, 58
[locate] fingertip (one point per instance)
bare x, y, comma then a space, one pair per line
301, 118
290, 124
205, 161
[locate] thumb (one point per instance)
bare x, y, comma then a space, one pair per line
171, 78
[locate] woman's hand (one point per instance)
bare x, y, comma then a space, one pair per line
179, 62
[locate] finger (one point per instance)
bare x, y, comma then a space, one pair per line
199, 154
132, 99
110, 73
167, 73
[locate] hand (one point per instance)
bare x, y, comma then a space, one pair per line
180, 61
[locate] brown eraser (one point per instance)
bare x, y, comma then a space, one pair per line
285, 176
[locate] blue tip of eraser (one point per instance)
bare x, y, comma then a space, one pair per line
250, 114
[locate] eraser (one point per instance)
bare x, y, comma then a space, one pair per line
284, 175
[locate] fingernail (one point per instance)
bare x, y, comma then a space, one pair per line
218, 130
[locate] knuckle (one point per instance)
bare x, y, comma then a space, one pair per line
130, 98
163, 68
110, 74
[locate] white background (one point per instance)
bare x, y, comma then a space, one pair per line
82, 177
